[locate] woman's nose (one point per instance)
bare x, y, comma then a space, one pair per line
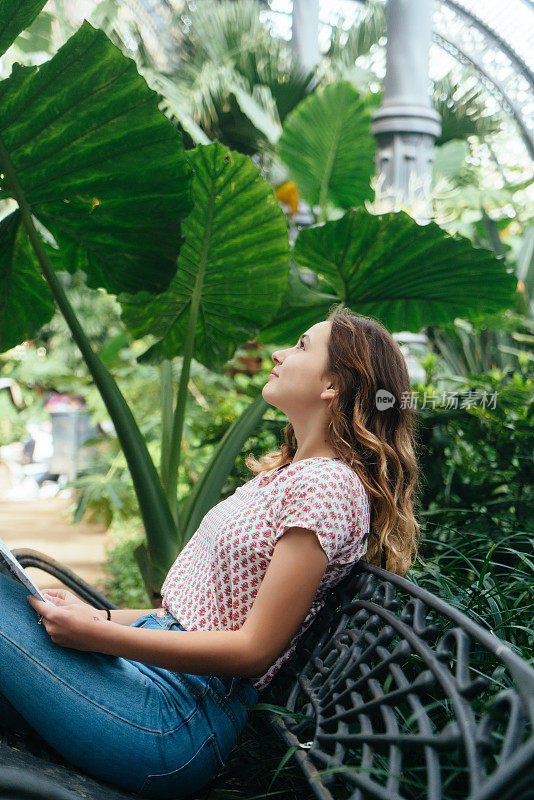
276, 357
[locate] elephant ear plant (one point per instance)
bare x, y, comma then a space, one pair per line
383, 265
95, 178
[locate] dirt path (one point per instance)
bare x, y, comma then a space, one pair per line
45, 525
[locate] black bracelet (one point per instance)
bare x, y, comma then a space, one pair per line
108, 612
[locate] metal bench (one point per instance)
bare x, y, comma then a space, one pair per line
392, 693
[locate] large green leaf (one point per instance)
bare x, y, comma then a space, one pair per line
101, 167
328, 148
301, 307
389, 267
26, 302
233, 265
16, 16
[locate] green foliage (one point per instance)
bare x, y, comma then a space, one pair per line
503, 341
477, 473
16, 17
450, 162
101, 218
51, 360
328, 147
463, 110
483, 176
480, 459
236, 80
232, 270
346, 46
26, 302
104, 495
124, 584
12, 422
387, 266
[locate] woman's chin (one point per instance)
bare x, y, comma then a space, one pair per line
266, 394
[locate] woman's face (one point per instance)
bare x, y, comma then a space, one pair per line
298, 380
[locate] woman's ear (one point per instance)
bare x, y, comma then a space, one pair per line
329, 393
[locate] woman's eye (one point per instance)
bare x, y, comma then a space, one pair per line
300, 342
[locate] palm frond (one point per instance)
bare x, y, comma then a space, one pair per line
463, 110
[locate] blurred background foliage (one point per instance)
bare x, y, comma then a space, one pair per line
225, 77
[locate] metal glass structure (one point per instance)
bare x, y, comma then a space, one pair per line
494, 39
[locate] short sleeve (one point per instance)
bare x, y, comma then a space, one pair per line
324, 501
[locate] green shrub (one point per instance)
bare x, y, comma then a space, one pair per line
477, 474
123, 582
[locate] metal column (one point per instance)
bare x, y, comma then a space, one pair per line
406, 125
305, 33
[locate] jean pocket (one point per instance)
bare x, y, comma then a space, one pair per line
202, 767
235, 689
224, 686
145, 621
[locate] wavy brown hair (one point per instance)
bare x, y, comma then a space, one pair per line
379, 444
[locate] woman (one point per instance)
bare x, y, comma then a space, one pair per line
156, 713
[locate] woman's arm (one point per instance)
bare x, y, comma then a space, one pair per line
200, 652
282, 603
124, 616
226, 653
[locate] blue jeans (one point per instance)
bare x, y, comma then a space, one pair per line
144, 729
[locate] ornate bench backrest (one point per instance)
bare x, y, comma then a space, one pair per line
395, 694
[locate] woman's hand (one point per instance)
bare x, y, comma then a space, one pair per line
76, 625
61, 597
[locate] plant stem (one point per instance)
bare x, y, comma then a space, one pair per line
159, 525
179, 413
167, 399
